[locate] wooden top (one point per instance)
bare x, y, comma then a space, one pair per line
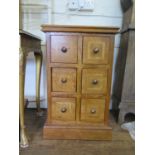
22, 32
71, 28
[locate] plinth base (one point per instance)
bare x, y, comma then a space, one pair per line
76, 132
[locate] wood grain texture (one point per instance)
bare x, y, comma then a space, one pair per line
63, 79
121, 143
92, 110
73, 28
64, 49
84, 134
95, 50
94, 81
63, 109
82, 75
48, 71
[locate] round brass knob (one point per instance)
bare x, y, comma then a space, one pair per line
94, 82
96, 50
64, 109
93, 111
64, 49
63, 80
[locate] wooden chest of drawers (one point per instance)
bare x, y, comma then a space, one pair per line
79, 70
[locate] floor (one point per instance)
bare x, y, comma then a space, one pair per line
121, 143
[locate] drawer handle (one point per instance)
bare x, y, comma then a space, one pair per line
64, 109
94, 82
93, 111
96, 50
64, 49
63, 80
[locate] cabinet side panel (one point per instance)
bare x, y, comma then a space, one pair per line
48, 70
111, 52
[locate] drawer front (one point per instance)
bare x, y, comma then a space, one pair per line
63, 109
92, 110
94, 81
63, 80
96, 50
64, 49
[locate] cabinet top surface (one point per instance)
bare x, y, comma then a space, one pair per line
73, 28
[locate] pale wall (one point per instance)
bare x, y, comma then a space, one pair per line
38, 12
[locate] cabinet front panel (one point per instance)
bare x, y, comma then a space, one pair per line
63, 80
64, 49
94, 81
92, 110
96, 50
63, 109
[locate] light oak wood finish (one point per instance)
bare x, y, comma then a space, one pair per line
92, 110
95, 50
63, 79
121, 143
77, 133
63, 109
28, 43
64, 49
82, 74
85, 29
94, 81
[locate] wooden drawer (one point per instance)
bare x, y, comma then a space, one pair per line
64, 79
64, 49
92, 110
63, 109
95, 50
94, 81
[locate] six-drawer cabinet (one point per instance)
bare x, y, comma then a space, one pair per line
79, 70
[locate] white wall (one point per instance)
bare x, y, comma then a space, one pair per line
38, 12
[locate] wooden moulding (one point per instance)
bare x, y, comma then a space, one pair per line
87, 29
62, 132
